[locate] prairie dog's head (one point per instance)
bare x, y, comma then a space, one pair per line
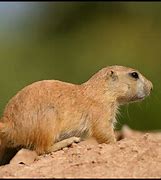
124, 83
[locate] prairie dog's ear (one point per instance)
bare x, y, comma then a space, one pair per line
112, 75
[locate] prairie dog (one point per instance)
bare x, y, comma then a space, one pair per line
51, 114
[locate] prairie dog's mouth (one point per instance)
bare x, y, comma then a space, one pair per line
132, 99
141, 97
137, 98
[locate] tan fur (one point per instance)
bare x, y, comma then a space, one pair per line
49, 111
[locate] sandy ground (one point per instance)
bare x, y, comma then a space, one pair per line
135, 155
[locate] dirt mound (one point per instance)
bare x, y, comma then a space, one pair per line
136, 155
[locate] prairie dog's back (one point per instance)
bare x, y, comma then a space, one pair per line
38, 94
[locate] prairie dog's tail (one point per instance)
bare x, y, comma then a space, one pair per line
2, 142
2, 129
2, 132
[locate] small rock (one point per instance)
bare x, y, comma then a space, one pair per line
65, 149
146, 136
122, 147
24, 156
100, 146
89, 148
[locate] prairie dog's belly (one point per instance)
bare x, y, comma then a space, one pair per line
82, 133
76, 124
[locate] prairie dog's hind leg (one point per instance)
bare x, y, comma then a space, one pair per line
64, 143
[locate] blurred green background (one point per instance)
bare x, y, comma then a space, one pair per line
71, 41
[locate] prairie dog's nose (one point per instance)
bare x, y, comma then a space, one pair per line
148, 87
151, 85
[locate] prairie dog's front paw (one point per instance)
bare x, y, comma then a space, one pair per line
76, 139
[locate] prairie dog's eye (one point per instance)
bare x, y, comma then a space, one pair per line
134, 75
